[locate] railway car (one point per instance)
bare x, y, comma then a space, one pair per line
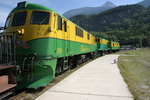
113, 46
39, 43
102, 44
105, 45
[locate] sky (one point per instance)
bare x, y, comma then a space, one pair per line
60, 6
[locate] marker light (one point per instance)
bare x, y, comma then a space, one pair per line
22, 4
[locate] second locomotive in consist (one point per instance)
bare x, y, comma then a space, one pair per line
38, 43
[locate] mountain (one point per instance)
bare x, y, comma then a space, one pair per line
98, 22
108, 4
89, 10
145, 3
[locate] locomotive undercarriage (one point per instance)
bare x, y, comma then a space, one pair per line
70, 62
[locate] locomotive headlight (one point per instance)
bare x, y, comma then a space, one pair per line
20, 31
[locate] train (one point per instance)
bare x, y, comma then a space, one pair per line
37, 43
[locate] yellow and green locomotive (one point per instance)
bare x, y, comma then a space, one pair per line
43, 43
38, 43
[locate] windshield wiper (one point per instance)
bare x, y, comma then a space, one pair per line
43, 20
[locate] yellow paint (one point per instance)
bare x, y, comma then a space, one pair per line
114, 44
104, 41
35, 31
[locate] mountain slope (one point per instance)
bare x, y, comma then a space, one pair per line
123, 24
89, 10
144, 3
98, 21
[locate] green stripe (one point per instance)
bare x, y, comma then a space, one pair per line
50, 46
44, 70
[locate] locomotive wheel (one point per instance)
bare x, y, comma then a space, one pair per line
88, 57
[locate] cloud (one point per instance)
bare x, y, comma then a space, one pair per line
5, 7
41, 2
8, 3
4, 13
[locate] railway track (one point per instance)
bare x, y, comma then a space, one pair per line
18, 96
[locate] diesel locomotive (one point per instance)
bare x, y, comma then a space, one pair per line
37, 43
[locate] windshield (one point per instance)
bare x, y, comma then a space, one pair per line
39, 17
19, 19
7, 22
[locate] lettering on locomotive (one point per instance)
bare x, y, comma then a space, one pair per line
84, 48
59, 50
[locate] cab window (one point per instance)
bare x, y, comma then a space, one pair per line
7, 22
65, 26
59, 23
19, 18
88, 37
39, 17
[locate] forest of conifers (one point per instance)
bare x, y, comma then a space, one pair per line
129, 25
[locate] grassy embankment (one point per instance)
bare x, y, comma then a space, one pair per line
135, 68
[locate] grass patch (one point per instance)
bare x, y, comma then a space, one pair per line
135, 68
